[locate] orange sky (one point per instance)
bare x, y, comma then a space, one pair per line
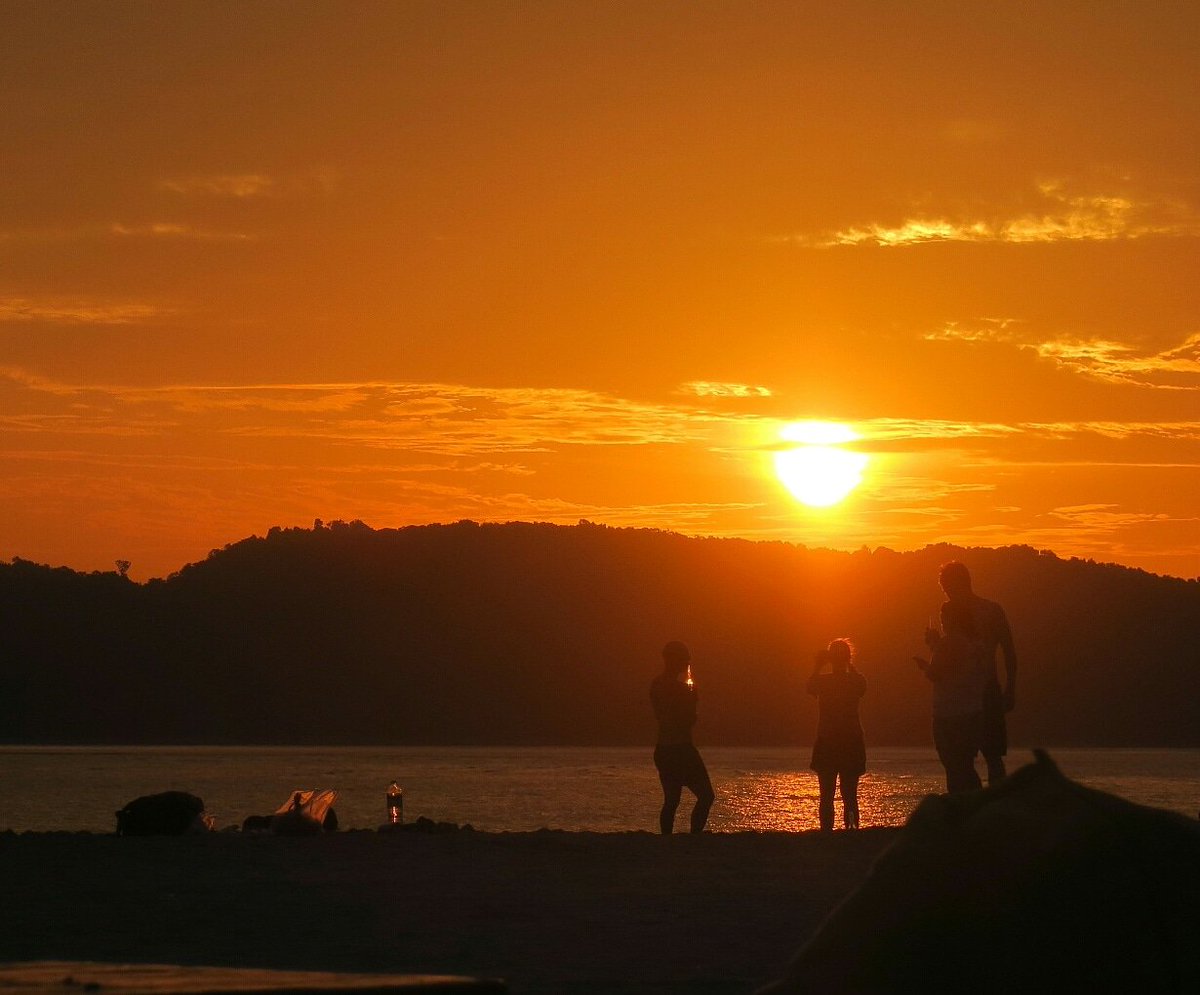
411, 262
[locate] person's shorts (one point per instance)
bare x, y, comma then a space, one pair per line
846, 757
681, 766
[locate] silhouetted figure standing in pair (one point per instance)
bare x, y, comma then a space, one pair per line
957, 671
839, 752
991, 626
678, 761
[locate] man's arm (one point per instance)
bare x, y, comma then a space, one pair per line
1004, 632
934, 636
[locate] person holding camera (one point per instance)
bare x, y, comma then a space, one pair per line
673, 698
839, 752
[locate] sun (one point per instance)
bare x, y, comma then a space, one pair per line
817, 471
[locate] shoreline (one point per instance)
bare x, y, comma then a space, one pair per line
547, 911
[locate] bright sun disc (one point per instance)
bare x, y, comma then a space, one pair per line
817, 472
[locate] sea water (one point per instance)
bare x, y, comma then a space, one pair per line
79, 788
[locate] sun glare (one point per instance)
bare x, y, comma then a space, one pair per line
817, 471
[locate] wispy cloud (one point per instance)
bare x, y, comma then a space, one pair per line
899, 434
1177, 368
487, 426
78, 312
214, 462
1066, 217
1173, 368
250, 185
446, 419
241, 186
175, 230
712, 388
916, 430
164, 230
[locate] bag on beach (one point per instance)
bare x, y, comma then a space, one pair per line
169, 813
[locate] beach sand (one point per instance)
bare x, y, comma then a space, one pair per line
548, 911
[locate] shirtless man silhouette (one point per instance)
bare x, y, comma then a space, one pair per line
992, 627
673, 698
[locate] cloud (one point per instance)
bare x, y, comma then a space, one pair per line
711, 388
78, 312
521, 431
1174, 368
444, 419
915, 430
248, 186
1058, 431
916, 495
241, 186
120, 229
171, 229
1104, 517
1067, 217
1177, 368
986, 330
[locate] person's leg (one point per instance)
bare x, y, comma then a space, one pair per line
827, 780
945, 751
850, 801
701, 786
993, 743
957, 742
962, 775
964, 746
672, 788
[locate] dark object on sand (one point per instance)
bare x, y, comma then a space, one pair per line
424, 825
169, 813
1038, 884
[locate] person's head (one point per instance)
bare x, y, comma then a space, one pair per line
840, 653
675, 657
958, 618
955, 579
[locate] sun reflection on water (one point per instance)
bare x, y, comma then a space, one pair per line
786, 801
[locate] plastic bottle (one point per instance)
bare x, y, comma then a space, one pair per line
395, 804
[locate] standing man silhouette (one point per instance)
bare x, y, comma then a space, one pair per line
958, 671
991, 625
673, 697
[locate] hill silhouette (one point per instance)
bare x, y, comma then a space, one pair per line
543, 634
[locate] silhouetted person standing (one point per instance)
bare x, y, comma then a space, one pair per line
676, 757
839, 752
991, 625
957, 671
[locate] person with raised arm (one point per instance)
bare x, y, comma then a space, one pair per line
839, 751
673, 697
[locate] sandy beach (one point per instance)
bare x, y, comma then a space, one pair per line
547, 911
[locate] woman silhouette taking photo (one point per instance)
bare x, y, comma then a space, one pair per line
839, 753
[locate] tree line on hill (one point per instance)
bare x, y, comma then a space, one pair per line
526, 633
